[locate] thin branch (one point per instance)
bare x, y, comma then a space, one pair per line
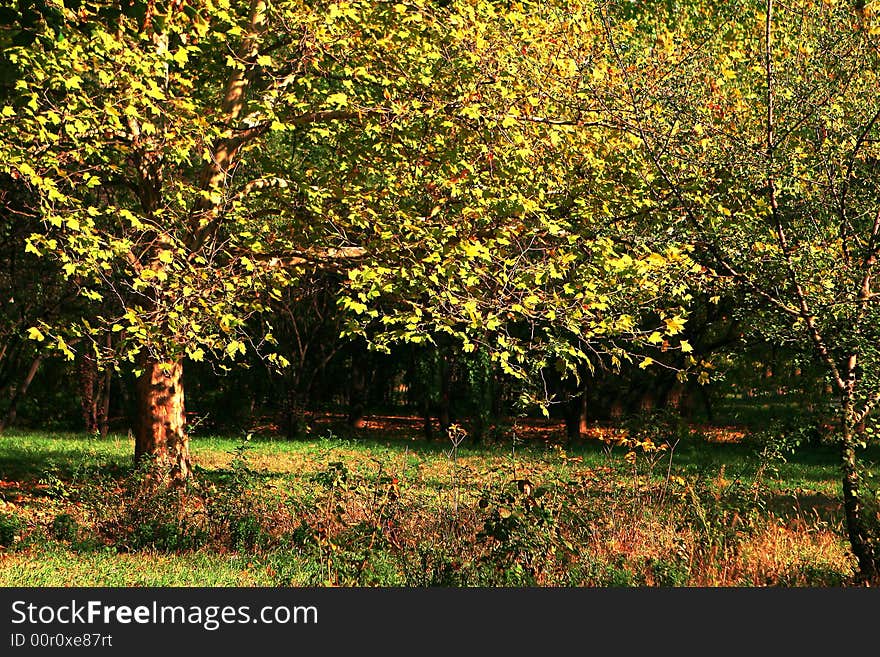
334, 257
862, 415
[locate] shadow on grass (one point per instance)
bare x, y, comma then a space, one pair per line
27, 464
31, 457
811, 508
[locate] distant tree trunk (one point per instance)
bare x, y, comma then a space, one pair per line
293, 411
19, 394
427, 420
498, 406
647, 401
88, 376
706, 398
356, 392
102, 401
444, 411
103, 408
126, 404
576, 424
161, 426
673, 398
616, 411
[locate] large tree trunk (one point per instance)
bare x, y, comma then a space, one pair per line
161, 422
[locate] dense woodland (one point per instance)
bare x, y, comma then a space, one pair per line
225, 218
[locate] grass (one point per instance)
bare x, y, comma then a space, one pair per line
57, 566
381, 511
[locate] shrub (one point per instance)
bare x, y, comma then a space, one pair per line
64, 527
10, 526
520, 530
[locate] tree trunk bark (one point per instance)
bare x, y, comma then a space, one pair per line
88, 375
862, 540
161, 422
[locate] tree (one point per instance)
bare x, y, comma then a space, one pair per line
760, 124
190, 161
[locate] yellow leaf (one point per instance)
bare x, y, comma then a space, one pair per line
674, 325
63, 348
338, 99
235, 346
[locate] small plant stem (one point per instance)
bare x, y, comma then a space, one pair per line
668, 472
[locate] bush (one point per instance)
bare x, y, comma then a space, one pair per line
520, 531
669, 572
165, 536
10, 526
64, 527
246, 532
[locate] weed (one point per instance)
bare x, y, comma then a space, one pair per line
520, 529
